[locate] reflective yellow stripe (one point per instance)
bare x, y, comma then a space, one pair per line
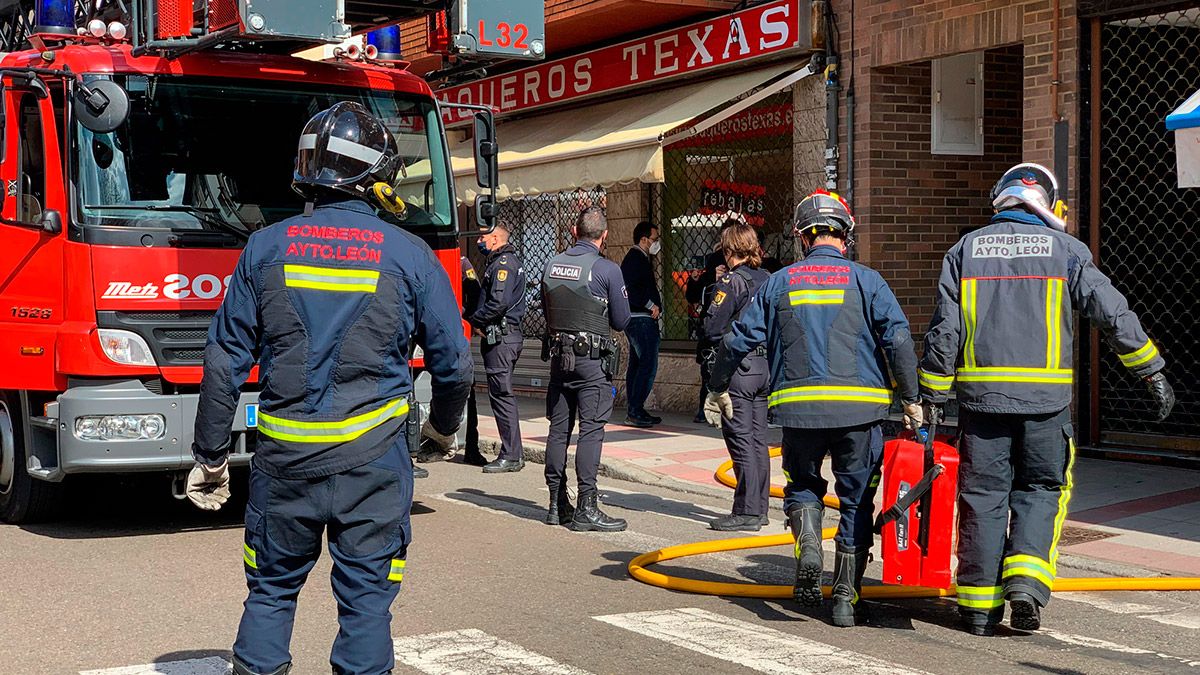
980, 597
330, 278
817, 297
830, 393
249, 557
397, 571
1029, 566
330, 432
1016, 374
967, 300
935, 382
1143, 355
1064, 498
1053, 322
787, 476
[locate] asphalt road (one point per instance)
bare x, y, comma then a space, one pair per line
135, 577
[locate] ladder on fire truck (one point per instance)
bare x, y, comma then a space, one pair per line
178, 25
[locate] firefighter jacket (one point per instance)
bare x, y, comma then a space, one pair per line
834, 333
502, 291
584, 292
328, 306
1002, 331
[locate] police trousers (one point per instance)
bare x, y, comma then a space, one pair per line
365, 514
1014, 487
746, 437
584, 393
499, 361
857, 454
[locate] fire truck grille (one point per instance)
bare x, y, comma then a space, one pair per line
175, 338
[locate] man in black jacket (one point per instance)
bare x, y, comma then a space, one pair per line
645, 306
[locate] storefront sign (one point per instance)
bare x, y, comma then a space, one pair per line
718, 196
759, 122
753, 33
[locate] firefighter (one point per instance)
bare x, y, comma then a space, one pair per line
470, 294
497, 320
1002, 334
332, 339
745, 432
584, 297
835, 338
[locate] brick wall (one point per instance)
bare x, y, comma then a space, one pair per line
894, 41
921, 202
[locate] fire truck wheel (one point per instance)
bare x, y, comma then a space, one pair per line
23, 499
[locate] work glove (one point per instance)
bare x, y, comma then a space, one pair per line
208, 486
716, 406
914, 415
1162, 392
433, 442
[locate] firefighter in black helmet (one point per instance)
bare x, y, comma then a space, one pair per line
839, 350
332, 335
1001, 335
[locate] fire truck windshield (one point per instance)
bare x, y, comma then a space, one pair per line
205, 155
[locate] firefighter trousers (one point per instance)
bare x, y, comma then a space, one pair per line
365, 513
857, 453
746, 437
1014, 486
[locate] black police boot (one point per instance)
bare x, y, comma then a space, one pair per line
420, 472
1026, 612
240, 668
737, 523
560, 512
474, 458
847, 581
504, 466
589, 517
805, 523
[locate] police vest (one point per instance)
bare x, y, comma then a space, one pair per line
570, 305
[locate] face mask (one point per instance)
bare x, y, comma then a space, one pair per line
655, 247
483, 247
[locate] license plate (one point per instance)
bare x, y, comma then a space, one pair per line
251, 415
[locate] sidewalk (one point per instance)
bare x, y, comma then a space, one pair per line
1141, 515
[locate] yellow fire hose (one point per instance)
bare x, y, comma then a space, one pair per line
637, 566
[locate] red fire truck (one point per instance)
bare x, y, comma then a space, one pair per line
139, 152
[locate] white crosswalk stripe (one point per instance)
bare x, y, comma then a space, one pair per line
212, 665
752, 646
474, 652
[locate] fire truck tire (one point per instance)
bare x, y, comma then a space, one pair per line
23, 499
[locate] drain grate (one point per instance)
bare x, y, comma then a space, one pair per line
1081, 535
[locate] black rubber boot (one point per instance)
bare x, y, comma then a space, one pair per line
589, 517
240, 668
561, 511
1026, 612
805, 523
848, 567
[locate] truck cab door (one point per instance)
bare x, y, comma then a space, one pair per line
32, 276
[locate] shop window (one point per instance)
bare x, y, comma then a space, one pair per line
958, 105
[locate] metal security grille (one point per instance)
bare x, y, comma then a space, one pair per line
541, 228
743, 165
1145, 227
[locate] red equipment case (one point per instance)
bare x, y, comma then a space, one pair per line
905, 561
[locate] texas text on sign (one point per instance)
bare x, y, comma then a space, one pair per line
753, 33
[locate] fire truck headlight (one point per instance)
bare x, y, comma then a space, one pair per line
117, 30
97, 28
120, 427
125, 348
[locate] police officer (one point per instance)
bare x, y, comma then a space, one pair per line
584, 299
332, 339
1003, 331
470, 294
497, 320
836, 338
745, 432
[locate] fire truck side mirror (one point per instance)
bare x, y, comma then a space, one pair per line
51, 222
101, 106
485, 212
486, 149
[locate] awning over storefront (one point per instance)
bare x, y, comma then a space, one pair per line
610, 143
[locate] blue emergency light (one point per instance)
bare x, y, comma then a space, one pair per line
54, 16
387, 41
